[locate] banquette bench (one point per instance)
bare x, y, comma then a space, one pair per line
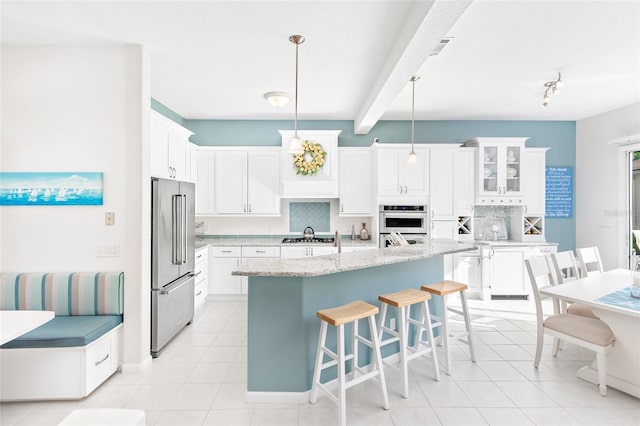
71, 355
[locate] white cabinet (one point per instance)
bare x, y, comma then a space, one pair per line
464, 181
499, 170
507, 274
533, 180
355, 189
201, 287
441, 182
306, 251
350, 249
398, 179
323, 184
468, 270
222, 261
205, 183
444, 229
246, 182
192, 152
169, 149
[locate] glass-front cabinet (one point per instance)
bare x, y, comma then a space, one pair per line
499, 169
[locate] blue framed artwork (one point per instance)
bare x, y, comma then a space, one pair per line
51, 189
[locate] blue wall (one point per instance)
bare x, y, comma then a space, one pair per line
560, 136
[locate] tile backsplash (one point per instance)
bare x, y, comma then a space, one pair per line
314, 214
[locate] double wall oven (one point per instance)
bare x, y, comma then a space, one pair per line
412, 221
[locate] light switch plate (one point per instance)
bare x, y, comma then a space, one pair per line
109, 218
108, 250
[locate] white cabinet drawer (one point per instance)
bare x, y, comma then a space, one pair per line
202, 254
225, 251
200, 292
201, 271
99, 362
260, 251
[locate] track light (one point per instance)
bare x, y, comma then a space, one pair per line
551, 88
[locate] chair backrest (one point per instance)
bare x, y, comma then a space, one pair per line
589, 261
540, 275
565, 266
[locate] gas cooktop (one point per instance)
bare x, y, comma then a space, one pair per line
309, 240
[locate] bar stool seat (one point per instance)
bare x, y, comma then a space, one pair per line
403, 300
444, 289
338, 317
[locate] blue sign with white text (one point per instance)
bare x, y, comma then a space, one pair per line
559, 192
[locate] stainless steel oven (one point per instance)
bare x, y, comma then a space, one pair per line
412, 221
404, 219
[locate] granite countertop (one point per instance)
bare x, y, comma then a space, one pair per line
275, 241
333, 263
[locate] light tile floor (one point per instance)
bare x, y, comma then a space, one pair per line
200, 379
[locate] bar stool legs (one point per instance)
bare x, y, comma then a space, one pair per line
338, 317
402, 301
443, 289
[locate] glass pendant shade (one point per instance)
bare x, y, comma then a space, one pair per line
295, 145
413, 158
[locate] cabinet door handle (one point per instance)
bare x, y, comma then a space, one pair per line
106, 357
199, 293
249, 208
197, 273
432, 225
341, 208
225, 251
244, 208
261, 251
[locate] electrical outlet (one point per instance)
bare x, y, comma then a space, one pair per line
108, 250
109, 218
392, 323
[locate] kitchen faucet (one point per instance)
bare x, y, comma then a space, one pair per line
337, 241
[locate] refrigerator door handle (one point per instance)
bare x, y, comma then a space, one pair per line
184, 228
176, 246
175, 286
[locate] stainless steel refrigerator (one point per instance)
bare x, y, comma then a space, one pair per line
172, 259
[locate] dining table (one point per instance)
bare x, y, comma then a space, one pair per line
609, 296
14, 324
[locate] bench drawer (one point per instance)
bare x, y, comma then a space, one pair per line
100, 361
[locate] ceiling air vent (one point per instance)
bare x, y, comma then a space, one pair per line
443, 43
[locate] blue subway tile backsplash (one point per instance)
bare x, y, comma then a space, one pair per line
313, 214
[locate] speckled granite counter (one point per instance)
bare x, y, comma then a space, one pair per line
333, 263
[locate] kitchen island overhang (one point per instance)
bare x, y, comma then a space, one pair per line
285, 294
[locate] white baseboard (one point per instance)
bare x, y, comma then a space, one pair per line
136, 368
227, 298
278, 397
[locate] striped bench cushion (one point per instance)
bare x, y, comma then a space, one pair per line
65, 293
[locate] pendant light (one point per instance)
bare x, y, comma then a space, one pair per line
295, 144
412, 155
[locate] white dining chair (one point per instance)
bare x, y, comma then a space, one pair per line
589, 333
566, 269
589, 261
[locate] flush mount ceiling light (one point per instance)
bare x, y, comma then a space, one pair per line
412, 155
551, 88
277, 99
295, 144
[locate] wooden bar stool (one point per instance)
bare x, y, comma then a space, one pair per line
338, 317
402, 301
443, 289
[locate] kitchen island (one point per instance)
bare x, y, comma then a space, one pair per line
284, 295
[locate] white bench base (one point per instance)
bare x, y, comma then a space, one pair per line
28, 374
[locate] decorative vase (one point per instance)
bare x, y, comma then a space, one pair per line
364, 232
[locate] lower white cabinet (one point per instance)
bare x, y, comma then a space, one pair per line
444, 229
507, 272
306, 251
201, 286
349, 249
468, 270
222, 261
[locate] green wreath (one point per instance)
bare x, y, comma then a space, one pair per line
310, 160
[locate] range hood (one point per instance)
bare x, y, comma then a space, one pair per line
323, 184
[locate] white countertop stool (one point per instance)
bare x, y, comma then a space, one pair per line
443, 289
402, 301
338, 317
104, 417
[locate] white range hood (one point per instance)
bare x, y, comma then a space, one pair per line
324, 184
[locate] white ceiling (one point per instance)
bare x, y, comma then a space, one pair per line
215, 59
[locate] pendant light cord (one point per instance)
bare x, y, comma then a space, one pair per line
413, 109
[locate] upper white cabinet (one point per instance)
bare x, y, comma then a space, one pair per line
247, 182
323, 184
397, 180
534, 179
355, 189
205, 182
499, 170
464, 181
441, 182
170, 156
